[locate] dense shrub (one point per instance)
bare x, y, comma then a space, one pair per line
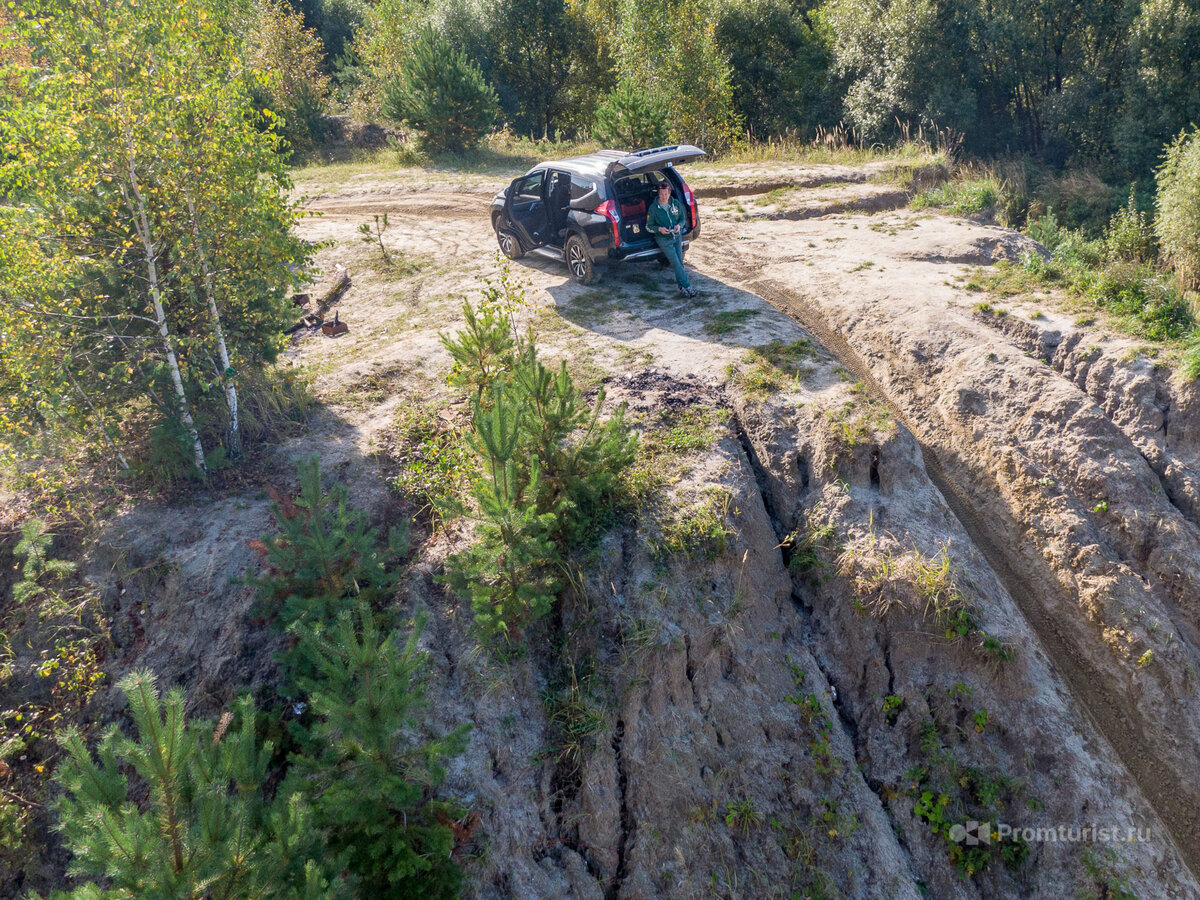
1178, 206
441, 94
671, 47
334, 21
1129, 235
289, 61
1145, 300
542, 63
962, 198
779, 57
1120, 79
1159, 91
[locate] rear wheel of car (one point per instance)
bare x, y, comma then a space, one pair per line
509, 245
579, 261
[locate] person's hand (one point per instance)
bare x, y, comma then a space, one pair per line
662, 230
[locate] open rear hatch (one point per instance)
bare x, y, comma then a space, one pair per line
655, 158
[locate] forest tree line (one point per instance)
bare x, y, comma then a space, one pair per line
1103, 84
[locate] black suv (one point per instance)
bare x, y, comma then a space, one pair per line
590, 211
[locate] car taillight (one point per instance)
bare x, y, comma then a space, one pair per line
691, 202
608, 209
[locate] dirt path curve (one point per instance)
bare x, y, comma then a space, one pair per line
1159, 761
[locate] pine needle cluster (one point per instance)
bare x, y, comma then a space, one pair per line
39, 569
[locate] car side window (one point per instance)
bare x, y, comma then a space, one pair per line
529, 187
580, 187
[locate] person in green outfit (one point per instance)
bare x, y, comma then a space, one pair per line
665, 221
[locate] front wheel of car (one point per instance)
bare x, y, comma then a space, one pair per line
579, 261
509, 245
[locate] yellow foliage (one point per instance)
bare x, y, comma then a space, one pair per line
288, 54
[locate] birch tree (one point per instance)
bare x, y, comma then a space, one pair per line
171, 202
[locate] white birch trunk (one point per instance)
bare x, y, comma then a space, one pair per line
231, 397
160, 315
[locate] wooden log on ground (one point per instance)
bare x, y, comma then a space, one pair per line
341, 284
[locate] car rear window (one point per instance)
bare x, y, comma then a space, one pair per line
641, 184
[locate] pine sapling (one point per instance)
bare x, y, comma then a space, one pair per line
370, 782
39, 568
202, 830
375, 235
324, 552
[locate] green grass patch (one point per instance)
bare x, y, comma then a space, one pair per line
699, 532
948, 794
435, 460
1108, 872
725, 322
592, 307
812, 547
1138, 298
774, 366
962, 198
648, 283
578, 716
670, 441
913, 175
856, 421
838, 145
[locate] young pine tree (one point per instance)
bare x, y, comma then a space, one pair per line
482, 350
39, 568
441, 94
506, 573
579, 457
632, 116
323, 554
203, 829
548, 468
371, 785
